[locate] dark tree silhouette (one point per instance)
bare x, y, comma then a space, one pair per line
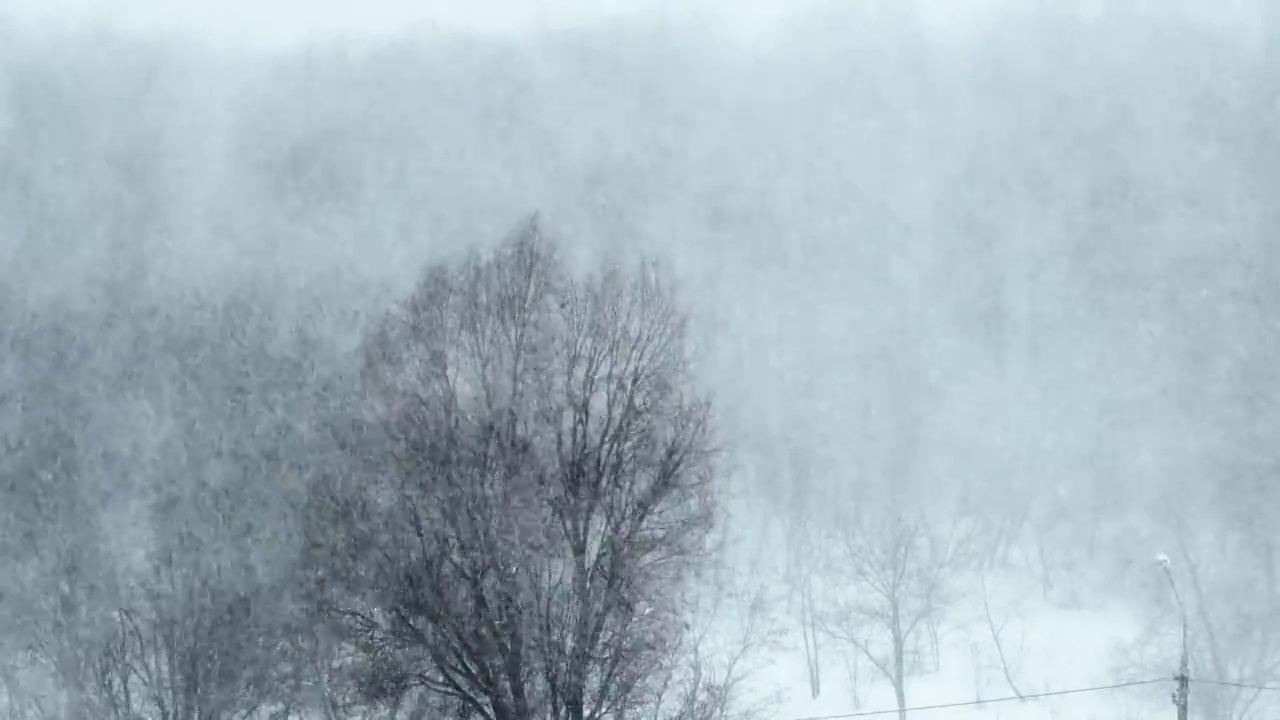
540, 488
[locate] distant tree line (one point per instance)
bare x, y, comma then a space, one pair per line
506, 509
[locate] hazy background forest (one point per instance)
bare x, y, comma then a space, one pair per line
988, 317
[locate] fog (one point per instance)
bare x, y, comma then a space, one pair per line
993, 270
278, 23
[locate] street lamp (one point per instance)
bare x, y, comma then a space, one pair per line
1181, 694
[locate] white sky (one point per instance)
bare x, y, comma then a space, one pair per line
275, 21
272, 22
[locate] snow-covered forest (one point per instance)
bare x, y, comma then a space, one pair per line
637, 370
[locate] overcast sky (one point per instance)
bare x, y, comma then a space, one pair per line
273, 22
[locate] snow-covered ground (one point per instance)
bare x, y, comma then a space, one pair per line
1049, 649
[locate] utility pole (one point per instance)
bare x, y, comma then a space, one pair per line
1182, 693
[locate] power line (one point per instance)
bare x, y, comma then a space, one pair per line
1228, 683
1008, 698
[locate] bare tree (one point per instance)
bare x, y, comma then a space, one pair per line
193, 645
542, 487
897, 572
803, 562
997, 624
711, 685
202, 622
55, 571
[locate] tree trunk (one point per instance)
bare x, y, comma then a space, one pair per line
810, 642
899, 666
899, 690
